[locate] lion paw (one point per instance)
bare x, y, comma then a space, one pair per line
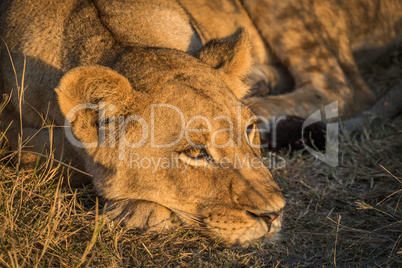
269, 80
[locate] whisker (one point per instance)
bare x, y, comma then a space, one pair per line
192, 217
195, 228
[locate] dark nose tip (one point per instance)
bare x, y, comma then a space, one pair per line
268, 218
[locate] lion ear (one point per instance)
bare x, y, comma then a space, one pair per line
93, 84
231, 56
84, 91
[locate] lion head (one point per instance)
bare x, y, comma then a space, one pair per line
167, 138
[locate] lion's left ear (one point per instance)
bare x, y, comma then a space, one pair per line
232, 57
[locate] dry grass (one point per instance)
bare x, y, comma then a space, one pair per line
346, 216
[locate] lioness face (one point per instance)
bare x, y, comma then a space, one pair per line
213, 177
183, 142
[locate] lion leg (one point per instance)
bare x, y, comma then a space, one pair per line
387, 107
141, 214
317, 54
269, 79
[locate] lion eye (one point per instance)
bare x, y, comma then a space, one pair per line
197, 157
196, 153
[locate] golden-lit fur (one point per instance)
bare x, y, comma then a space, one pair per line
320, 43
79, 52
100, 67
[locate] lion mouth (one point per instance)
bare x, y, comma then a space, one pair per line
268, 218
232, 230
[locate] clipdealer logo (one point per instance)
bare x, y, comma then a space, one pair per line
112, 130
332, 135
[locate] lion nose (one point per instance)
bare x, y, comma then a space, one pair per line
268, 218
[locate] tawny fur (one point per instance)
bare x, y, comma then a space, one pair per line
190, 54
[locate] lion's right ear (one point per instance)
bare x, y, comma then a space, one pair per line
231, 56
82, 89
